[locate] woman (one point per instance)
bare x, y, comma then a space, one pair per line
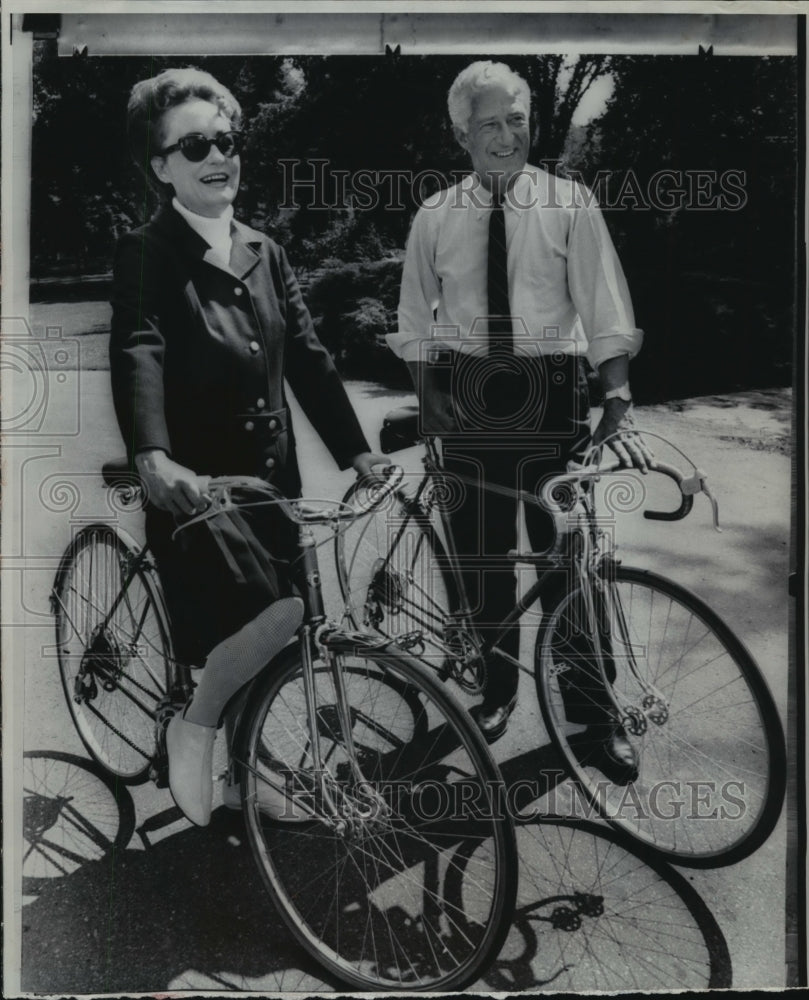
207, 322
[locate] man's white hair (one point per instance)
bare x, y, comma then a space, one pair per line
478, 77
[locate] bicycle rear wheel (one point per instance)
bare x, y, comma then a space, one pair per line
113, 648
389, 567
712, 758
362, 887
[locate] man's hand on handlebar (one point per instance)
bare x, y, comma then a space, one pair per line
617, 429
170, 486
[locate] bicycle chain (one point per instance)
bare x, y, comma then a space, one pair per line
117, 731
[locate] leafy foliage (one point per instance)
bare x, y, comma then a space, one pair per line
713, 273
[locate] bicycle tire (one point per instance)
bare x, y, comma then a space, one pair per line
722, 763
74, 813
597, 913
410, 699
390, 569
367, 904
115, 662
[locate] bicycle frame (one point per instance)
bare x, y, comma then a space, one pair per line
579, 549
314, 635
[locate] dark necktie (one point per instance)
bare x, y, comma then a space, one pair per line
501, 333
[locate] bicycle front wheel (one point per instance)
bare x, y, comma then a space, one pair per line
113, 647
358, 857
389, 567
712, 758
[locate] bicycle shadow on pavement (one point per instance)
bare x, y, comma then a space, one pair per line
187, 912
596, 913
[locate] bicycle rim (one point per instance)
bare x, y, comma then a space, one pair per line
368, 903
113, 657
712, 759
389, 571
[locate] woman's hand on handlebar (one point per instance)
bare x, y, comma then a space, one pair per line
366, 463
617, 429
170, 486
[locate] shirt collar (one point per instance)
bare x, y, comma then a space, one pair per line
215, 232
519, 198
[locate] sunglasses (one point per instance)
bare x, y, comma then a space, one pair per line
195, 146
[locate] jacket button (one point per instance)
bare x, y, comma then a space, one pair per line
237, 290
272, 424
270, 463
260, 404
254, 346
249, 425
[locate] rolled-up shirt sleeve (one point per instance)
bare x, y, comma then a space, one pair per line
598, 288
420, 290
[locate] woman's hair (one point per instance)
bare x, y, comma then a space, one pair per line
151, 99
477, 77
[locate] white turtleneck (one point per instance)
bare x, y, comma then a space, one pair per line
215, 232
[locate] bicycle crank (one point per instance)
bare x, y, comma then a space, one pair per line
159, 769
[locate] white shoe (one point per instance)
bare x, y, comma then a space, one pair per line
271, 802
190, 752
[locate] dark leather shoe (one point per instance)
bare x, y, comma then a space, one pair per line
492, 720
616, 758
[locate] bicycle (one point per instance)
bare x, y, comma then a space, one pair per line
381, 767
685, 689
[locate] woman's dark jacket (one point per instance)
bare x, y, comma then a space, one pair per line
198, 358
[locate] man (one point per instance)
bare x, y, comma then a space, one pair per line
509, 282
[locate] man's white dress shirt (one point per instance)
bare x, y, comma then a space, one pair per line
567, 289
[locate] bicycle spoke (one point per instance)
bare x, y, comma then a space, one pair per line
372, 894
691, 704
113, 650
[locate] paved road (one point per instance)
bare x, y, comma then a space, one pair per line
179, 908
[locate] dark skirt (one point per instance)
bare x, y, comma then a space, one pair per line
220, 573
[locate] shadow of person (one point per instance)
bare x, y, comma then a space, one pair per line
190, 909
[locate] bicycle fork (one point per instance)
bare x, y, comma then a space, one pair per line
609, 619
345, 809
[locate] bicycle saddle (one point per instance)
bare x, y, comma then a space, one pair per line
400, 429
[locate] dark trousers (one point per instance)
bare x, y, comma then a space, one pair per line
518, 424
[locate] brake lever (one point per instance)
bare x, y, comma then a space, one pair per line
698, 483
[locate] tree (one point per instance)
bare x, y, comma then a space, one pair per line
558, 86
710, 251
